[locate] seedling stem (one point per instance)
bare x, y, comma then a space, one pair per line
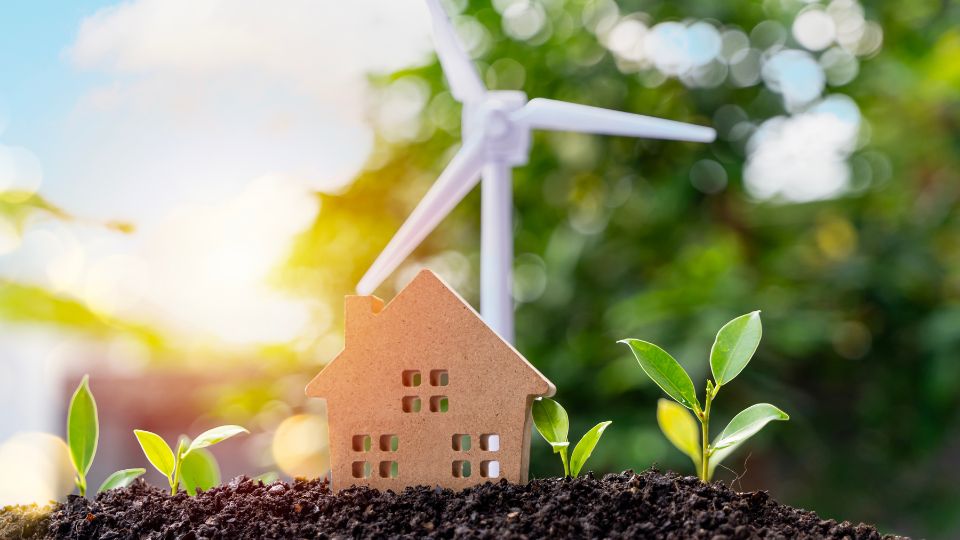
704, 417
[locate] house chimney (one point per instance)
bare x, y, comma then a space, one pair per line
358, 316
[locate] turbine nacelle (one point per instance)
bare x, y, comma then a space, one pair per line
492, 118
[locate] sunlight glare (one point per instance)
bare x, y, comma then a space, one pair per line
35, 468
9, 237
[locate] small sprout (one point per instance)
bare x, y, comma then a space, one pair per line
553, 424
121, 479
191, 464
83, 432
732, 350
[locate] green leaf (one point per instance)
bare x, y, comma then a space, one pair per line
680, 428
158, 453
665, 371
214, 436
748, 422
585, 447
551, 421
199, 470
718, 457
734, 347
83, 428
121, 479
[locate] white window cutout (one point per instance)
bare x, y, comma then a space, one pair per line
490, 469
490, 442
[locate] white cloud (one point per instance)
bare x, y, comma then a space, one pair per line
202, 96
311, 44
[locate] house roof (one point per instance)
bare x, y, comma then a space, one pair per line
428, 308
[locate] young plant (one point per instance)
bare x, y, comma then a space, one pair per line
191, 464
732, 350
553, 424
83, 434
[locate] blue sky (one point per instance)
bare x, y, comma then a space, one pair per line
37, 84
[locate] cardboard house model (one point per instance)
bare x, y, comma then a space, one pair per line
425, 393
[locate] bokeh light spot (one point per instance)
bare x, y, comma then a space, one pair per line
34, 468
626, 39
795, 75
9, 237
301, 446
523, 20
840, 66
814, 29
708, 176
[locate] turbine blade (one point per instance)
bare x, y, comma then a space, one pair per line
460, 176
555, 115
457, 66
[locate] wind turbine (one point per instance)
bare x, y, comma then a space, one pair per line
496, 138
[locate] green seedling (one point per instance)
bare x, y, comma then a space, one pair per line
191, 464
553, 424
732, 350
83, 433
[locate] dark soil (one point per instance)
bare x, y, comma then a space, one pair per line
646, 505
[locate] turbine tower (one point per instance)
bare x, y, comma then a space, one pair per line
496, 138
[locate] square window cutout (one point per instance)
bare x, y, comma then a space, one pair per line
490, 442
411, 377
361, 443
439, 377
461, 469
389, 443
490, 469
439, 404
411, 404
389, 469
362, 469
461, 442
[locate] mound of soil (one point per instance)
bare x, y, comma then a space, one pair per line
627, 505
